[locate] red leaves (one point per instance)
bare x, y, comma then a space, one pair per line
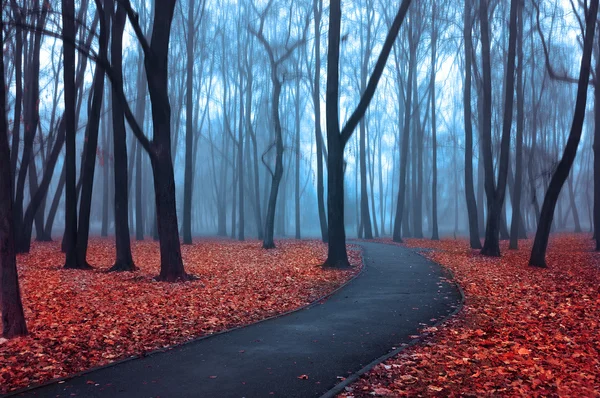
82, 319
523, 331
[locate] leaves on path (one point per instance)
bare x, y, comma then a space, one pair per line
523, 331
83, 319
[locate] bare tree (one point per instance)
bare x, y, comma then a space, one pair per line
540, 243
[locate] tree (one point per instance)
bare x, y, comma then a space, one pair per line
124, 260
277, 83
560, 175
516, 198
156, 55
495, 194
336, 138
91, 142
469, 190
316, 96
400, 208
434, 210
11, 308
189, 134
366, 48
68, 18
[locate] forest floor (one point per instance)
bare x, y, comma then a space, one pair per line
82, 319
523, 331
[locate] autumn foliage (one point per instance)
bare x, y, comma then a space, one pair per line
523, 331
82, 319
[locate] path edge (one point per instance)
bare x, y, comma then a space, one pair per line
196, 339
340, 387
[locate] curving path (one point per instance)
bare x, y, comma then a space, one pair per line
396, 294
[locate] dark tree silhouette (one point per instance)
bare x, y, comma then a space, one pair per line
469, 189
336, 138
540, 243
68, 33
496, 194
13, 319
91, 142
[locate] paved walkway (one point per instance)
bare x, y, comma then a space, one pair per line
397, 292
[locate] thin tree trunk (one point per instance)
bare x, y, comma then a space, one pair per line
397, 236
516, 199
317, 11
124, 259
469, 189
189, 134
434, 211
91, 146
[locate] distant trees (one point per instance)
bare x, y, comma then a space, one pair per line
244, 134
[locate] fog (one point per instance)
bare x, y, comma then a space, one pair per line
225, 61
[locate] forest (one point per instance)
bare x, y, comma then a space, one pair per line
172, 169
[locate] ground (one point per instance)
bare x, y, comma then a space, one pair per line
82, 319
523, 331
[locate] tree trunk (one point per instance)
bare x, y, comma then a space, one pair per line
16, 136
297, 153
31, 120
397, 234
91, 146
140, 114
434, 211
491, 246
540, 243
469, 189
337, 256
268, 242
365, 218
189, 134
171, 264
124, 260
516, 199
68, 14
317, 11
596, 221
11, 308
55, 202
105, 171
